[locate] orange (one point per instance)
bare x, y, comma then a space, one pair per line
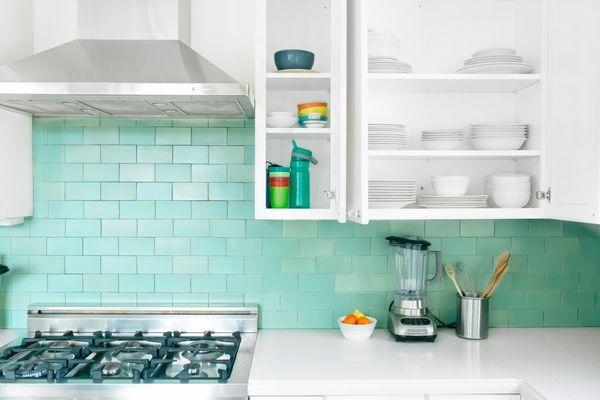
363, 321
350, 319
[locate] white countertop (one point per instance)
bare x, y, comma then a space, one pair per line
557, 363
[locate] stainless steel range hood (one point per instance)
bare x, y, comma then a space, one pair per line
125, 78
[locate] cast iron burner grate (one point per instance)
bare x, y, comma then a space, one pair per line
137, 358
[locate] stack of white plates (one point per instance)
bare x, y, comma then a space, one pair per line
468, 201
442, 139
392, 194
389, 65
387, 137
496, 61
498, 136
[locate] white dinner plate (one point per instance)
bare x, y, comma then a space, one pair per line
497, 68
495, 51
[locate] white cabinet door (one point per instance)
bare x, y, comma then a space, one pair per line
16, 168
573, 83
358, 161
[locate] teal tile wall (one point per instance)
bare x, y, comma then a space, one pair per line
161, 212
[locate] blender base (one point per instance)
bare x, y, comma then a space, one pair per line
406, 328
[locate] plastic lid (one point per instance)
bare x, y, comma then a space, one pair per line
410, 242
298, 153
306, 152
279, 169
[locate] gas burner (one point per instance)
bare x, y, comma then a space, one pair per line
32, 369
111, 368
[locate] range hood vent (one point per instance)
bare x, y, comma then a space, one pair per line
103, 77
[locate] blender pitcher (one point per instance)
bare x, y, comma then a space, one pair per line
409, 257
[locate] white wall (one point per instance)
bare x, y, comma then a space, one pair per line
15, 25
54, 23
223, 32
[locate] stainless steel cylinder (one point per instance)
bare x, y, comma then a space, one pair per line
472, 320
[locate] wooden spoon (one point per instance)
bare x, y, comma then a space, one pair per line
498, 280
452, 275
499, 271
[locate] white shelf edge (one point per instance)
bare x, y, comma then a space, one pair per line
446, 154
308, 75
323, 131
455, 213
296, 214
451, 82
453, 76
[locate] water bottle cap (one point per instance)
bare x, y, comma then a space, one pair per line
298, 153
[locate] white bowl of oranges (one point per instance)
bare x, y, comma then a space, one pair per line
357, 326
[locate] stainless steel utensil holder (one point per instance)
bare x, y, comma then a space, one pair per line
472, 320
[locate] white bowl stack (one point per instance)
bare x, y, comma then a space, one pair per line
496, 61
450, 185
499, 136
442, 139
384, 49
387, 137
509, 190
392, 194
281, 119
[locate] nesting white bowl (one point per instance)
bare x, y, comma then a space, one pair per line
511, 198
450, 185
281, 121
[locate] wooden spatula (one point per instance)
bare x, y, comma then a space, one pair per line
499, 271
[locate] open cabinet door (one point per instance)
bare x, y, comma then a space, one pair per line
338, 96
573, 141
358, 168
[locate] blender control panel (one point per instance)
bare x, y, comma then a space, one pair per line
415, 321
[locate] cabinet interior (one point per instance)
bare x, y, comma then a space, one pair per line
436, 37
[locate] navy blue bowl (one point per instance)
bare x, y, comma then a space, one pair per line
294, 59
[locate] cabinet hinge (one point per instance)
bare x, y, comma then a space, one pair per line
331, 195
543, 195
354, 214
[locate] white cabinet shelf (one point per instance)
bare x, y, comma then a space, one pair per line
451, 82
453, 154
299, 133
298, 214
455, 213
298, 81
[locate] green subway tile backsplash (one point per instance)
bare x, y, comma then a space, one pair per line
160, 212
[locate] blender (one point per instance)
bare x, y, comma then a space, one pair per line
409, 319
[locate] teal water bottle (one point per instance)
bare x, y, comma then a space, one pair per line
300, 177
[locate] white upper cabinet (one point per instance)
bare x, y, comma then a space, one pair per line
573, 145
318, 26
16, 168
559, 101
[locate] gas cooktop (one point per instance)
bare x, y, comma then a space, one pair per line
106, 356
87, 353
